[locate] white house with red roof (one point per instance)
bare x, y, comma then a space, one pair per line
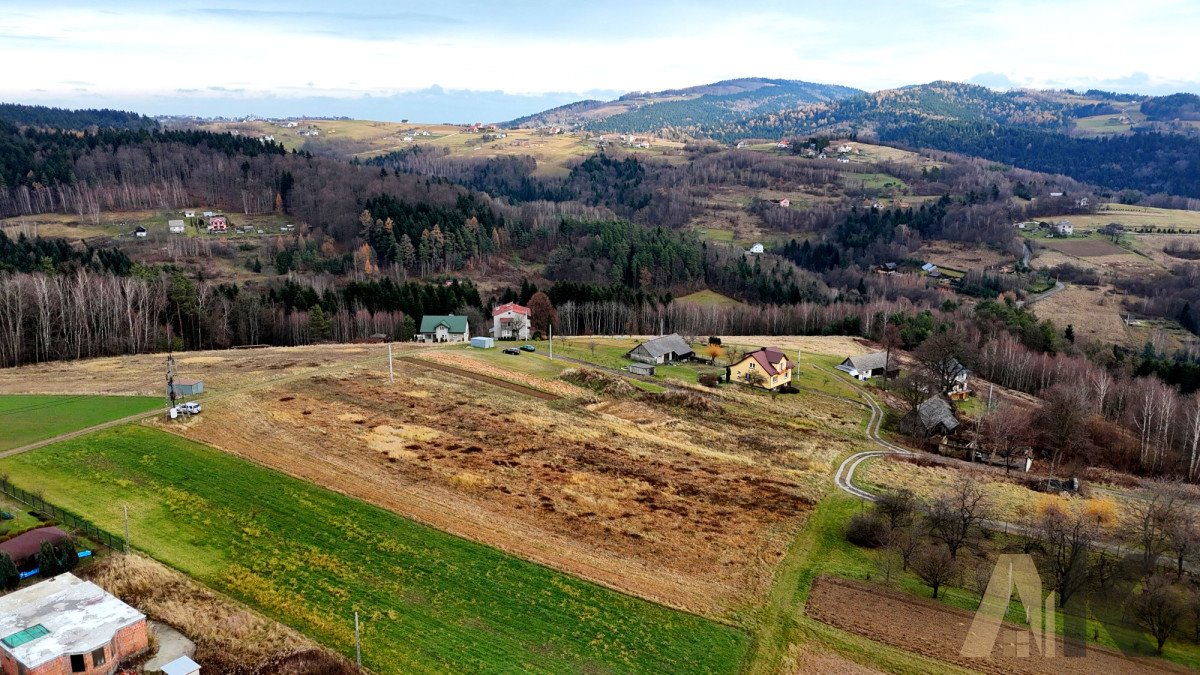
510, 321
766, 368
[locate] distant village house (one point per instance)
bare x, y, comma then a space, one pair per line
175, 226
217, 224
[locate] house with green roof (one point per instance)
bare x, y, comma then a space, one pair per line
450, 328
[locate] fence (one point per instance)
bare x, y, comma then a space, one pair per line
69, 521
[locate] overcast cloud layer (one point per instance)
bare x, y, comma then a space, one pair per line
467, 61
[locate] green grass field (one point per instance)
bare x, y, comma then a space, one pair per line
309, 557
29, 419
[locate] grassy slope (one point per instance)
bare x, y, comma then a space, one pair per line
310, 558
28, 419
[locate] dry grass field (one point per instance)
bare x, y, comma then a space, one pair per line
960, 256
222, 371
1010, 501
227, 634
1094, 313
1134, 217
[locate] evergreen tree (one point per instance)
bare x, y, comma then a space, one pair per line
10, 577
1069, 333
318, 325
408, 329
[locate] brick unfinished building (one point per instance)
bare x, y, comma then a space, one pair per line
67, 625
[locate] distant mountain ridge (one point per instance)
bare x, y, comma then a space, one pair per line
689, 107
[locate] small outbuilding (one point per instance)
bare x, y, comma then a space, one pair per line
641, 369
140, 232
933, 417
483, 342
175, 226
185, 388
181, 666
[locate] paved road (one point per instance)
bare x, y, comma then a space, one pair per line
1059, 287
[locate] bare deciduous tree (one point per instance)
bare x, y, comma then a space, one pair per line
935, 566
954, 516
1158, 608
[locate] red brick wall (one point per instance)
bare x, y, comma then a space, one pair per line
127, 642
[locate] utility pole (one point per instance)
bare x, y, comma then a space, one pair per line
391, 372
170, 380
551, 326
126, 528
357, 643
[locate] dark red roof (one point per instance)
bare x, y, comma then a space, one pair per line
25, 546
767, 357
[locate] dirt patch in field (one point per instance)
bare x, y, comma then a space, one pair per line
663, 504
931, 629
486, 379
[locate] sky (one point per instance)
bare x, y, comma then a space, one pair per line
460, 61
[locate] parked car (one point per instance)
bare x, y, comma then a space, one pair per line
528, 348
513, 350
191, 408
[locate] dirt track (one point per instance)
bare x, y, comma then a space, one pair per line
932, 629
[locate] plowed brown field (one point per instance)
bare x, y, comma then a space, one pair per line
932, 629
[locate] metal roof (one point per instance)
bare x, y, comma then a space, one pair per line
181, 666
667, 344
865, 363
76, 615
454, 324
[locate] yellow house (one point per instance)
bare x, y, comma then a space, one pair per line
768, 368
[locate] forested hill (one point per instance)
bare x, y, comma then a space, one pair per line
60, 118
941, 101
690, 108
1027, 129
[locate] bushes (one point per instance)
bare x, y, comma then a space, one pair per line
867, 530
598, 381
710, 380
680, 399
